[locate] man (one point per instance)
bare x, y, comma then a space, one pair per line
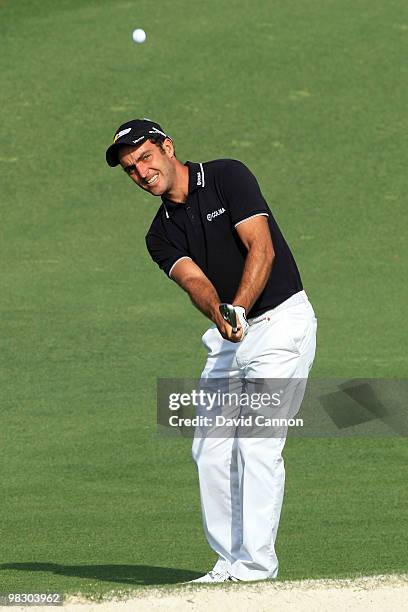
215, 236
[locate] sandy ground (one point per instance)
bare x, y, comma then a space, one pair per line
376, 593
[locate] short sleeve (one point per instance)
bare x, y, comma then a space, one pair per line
163, 253
242, 193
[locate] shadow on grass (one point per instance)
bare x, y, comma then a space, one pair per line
124, 574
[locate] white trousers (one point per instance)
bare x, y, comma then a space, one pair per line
242, 478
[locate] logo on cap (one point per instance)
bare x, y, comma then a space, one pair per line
154, 130
121, 133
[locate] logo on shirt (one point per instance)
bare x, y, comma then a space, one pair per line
215, 213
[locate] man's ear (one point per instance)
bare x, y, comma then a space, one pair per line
168, 147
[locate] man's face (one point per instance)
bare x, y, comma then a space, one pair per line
150, 166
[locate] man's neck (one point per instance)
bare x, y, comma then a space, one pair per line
179, 190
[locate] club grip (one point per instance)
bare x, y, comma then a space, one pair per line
228, 313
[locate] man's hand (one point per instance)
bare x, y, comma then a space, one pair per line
233, 326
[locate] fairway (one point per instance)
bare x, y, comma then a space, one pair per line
312, 96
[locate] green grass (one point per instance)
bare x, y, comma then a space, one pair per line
311, 94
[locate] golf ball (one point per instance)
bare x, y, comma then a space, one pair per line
139, 36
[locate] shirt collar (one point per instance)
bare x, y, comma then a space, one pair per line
196, 179
196, 176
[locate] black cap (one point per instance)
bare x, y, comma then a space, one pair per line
133, 133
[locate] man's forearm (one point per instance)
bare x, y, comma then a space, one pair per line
258, 265
203, 295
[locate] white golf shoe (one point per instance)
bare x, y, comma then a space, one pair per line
216, 576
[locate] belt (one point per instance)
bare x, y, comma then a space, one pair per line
296, 298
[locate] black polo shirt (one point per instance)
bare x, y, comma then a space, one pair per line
221, 195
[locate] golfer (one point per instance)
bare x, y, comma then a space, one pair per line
215, 236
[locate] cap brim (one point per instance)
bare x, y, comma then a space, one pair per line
112, 152
112, 157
